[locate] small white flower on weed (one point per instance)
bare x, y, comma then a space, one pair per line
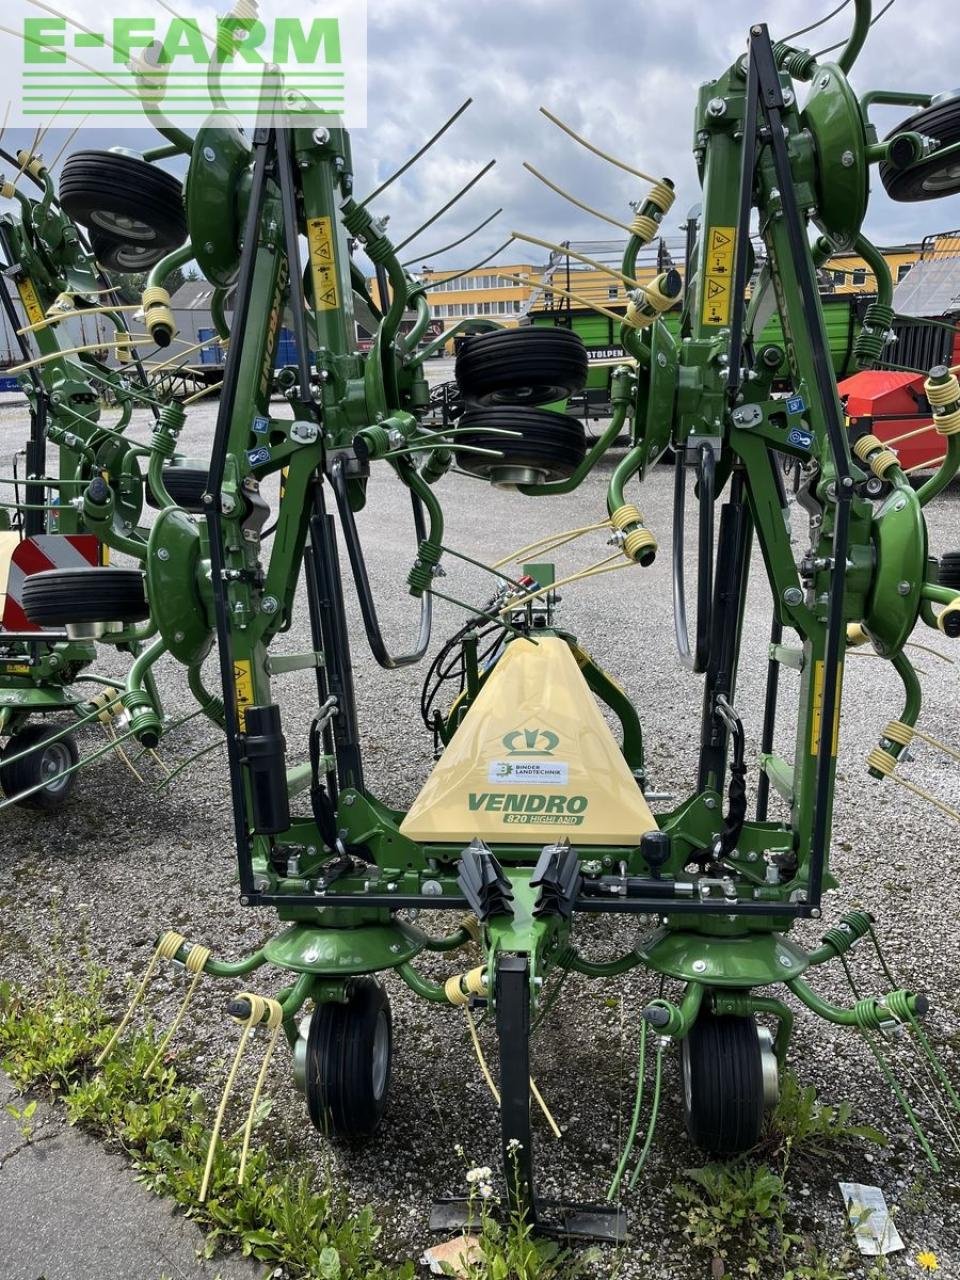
486, 1191
480, 1174
514, 1145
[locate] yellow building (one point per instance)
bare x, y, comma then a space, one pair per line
492, 292
848, 273
487, 293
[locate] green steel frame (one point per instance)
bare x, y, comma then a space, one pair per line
320, 848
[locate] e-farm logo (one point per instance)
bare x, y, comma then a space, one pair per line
122, 65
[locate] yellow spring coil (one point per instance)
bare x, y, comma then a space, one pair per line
866, 445
195, 962
168, 946
940, 394
881, 462
640, 539
856, 635
461, 987
904, 734
872, 451
62, 304
7, 190
106, 703
157, 312
884, 763
262, 1009
30, 164
646, 227
124, 354
471, 926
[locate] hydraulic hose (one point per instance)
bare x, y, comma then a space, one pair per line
706, 471
368, 608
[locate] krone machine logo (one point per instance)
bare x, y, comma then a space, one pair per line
531, 742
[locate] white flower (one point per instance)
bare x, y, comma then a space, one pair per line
481, 1174
514, 1145
486, 1191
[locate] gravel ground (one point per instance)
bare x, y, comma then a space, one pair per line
123, 861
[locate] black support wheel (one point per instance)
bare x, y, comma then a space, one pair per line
39, 773
723, 1083
186, 484
133, 202
948, 573
935, 175
541, 445
522, 366
348, 1057
61, 596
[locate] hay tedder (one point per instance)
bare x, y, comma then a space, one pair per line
535, 813
50, 627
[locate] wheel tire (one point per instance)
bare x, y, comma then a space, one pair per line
133, 201
522, 366
550, 445
118, 257
349, 1050
44, 762
60, 596
723, 1086
948, 575
186, 485
930, 178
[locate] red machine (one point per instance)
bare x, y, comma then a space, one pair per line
894, 408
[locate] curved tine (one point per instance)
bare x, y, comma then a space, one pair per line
483, 261
621, 164
453, 244
614, 222
70, 138
549, 287
416, 156
449, 205
819, 23
6, 117
582, 257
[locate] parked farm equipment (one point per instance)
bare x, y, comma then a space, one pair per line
535, 815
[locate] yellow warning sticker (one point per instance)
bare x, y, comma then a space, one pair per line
818, 709
31, 303
243, 690
718, 275
323, 264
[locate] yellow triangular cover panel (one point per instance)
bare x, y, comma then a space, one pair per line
533, 761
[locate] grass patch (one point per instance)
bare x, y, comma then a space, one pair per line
285, 1216
282, 1215
814, 1130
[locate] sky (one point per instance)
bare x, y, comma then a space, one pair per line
625, 75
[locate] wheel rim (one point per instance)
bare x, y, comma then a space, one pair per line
136, 256
381, 1055
123, 226
53, 761
687, 1076
945, 179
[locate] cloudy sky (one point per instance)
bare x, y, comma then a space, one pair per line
625, 75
